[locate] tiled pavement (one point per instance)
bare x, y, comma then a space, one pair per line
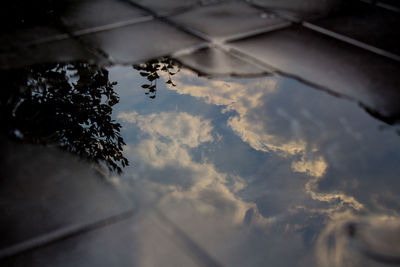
350, 50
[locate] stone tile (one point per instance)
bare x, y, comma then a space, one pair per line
166, 7
23, 37
24, 22
298, 10
55, 51
227, 20
366, 23
215, 62
141, 41
394, 3
44, 190
139, 241
344, 69
91, 14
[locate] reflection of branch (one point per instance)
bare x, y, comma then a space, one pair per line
151, 69
69, 105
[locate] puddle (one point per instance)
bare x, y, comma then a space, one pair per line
268, 136
253, 170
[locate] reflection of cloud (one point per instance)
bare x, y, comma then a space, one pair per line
180, 127
259, 128
244, 99
260, 140
312, 187
350, 240
314, 168
166, 162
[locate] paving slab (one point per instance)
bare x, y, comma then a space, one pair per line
342, 68
227, 20
214, 62
94, 14
394, 3
298, 10
166, 7
66, 50
363, 22
23, 37
141, 41
139, 241
23, 22
44, 190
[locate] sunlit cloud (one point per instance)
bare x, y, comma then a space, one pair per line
316, 168
243, 99
185, 182
179, 127
259, 139
254, 129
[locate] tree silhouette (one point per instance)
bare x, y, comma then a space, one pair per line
68, 105
151, 70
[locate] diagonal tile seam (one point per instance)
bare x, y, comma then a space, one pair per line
63, 233
223, 48
244, 56
177, 11
273, 11
388, 7
221, 41
206, 37
87, 46
107, 27
335, 35
275, 71
198, 254
351, 41
255, 32
382, 5
164, 19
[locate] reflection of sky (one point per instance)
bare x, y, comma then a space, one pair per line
253, 169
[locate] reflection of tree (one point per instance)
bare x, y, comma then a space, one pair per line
65, 104
151, 70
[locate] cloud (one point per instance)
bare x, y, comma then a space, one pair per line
165, 159
179, 127
267, 128
244, 100
352, 240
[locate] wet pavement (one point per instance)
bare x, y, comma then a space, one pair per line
200, 133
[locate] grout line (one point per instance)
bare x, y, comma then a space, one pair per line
382, 5
241, 54
246, 59
275, 12
367, 1
58, 37
198, 254
61, 234
376, 114
113, 26
190, 50
257, 32
388, 7
92, 30
205, 37
165, 20
351, 41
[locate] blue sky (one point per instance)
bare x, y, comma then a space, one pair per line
261, 164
